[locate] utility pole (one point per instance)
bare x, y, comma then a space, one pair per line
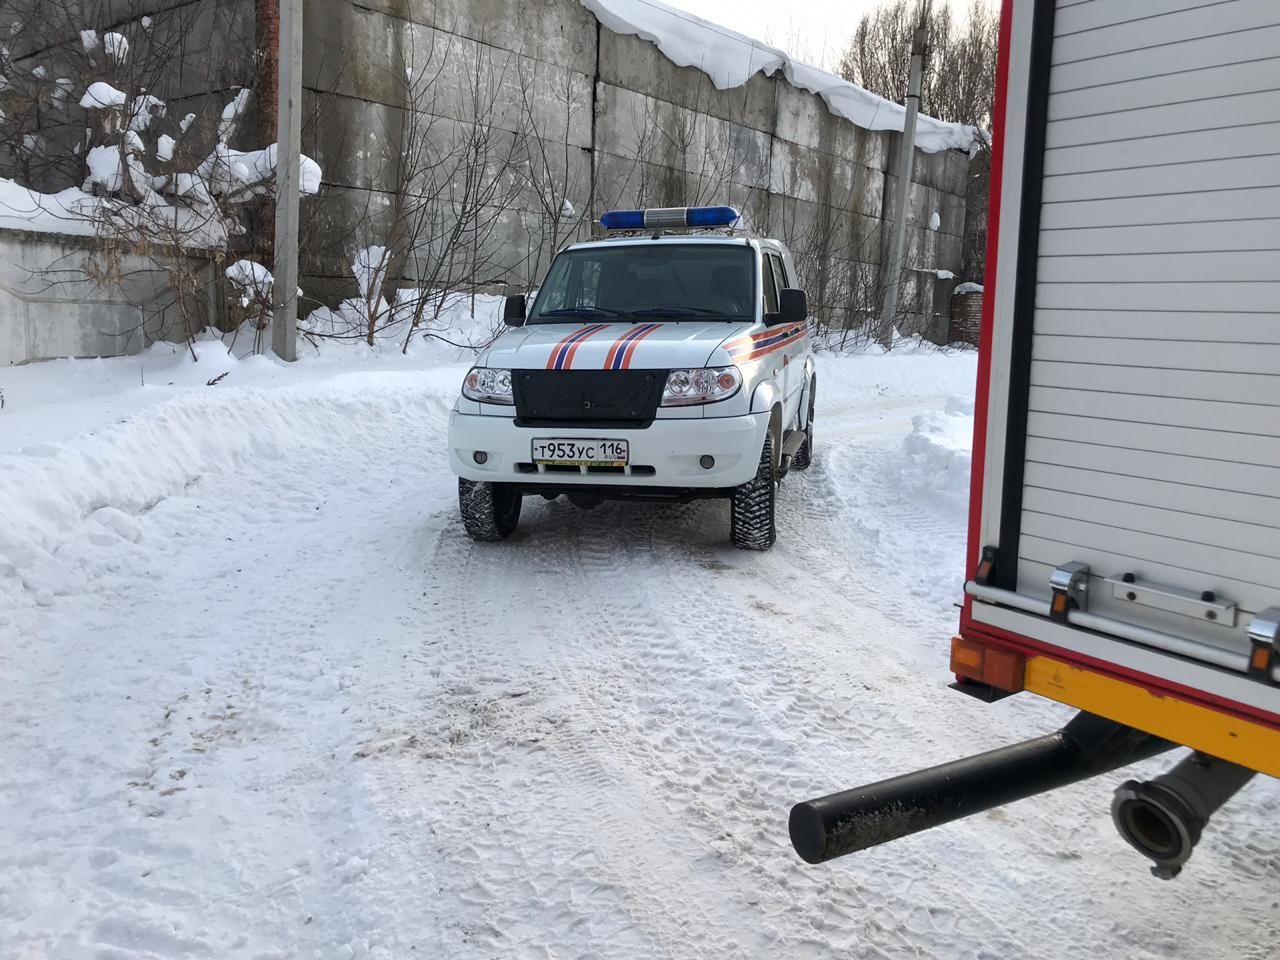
906, 160
284, 332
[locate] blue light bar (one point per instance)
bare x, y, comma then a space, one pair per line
713, 216
623, 220
670, 217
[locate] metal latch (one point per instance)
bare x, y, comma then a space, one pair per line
1264, 643
1205, 605
1070, 586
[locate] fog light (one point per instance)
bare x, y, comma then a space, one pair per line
480, 457
707, 461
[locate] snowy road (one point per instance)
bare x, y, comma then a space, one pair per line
263, 700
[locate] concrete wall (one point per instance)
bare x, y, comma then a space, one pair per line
49, 308
622, 126
416, 109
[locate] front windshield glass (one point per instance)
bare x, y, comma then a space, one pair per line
637, 283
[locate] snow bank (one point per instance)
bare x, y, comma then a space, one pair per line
70, 212
730, 59
74, 213
48, 491
937, 455
876, 377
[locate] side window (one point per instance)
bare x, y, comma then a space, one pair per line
779, 272
770, 288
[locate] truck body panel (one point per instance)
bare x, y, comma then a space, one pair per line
1128, 410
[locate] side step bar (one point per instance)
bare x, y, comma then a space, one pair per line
790, 446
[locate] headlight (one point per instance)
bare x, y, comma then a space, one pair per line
487, 385
703, 385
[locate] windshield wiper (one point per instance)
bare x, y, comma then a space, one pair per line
676, 312
584, 313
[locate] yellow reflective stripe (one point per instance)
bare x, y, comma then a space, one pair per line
1246, 742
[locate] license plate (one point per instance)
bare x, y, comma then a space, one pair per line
581, 453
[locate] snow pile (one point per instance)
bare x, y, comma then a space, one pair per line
456, 319
116, 46
369, 266
730, 59
106, 170
121, 197
242, 174
967, 287
937, 455
102, 95
232, 113
250, 275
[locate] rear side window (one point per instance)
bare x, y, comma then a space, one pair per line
770, 288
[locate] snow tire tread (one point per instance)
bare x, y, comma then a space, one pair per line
751, 511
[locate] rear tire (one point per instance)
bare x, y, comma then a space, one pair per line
751, 507
490, 511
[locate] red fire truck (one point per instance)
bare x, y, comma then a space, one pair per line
1124, 540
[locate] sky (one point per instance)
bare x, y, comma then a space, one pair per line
816, 31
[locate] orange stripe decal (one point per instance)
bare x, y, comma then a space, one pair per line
633, 343
761, 344
568, 362
562, 352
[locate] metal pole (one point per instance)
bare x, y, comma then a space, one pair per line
289, 137
906, 158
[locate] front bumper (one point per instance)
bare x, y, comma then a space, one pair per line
665, 454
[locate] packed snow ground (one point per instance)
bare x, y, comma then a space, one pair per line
262, 699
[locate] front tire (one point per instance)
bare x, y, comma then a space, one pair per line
751, 508
490, 511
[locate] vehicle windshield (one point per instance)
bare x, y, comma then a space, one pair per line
637, 283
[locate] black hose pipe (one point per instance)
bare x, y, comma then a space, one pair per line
854, 820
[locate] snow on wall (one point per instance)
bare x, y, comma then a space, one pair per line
730, 59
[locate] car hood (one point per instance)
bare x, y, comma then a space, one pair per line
611, 346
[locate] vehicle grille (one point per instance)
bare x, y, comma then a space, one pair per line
624, 398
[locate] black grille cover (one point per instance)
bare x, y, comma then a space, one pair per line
622, 397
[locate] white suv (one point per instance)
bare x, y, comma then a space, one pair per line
669, 361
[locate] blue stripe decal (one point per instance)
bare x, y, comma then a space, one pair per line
622, 344
770, 341
564, 349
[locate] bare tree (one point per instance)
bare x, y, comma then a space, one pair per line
435, 233
960, 62
91, 93
958, 85
555, 173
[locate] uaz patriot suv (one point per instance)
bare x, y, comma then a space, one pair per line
666, 361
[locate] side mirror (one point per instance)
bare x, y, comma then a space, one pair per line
514, 311
793, 306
